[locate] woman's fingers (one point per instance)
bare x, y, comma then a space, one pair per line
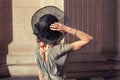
53, 28
56, 26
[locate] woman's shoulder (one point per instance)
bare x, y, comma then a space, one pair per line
37, 49
62, 46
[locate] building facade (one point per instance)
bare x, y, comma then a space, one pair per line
100, 18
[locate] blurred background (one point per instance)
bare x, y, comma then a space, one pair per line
100, 60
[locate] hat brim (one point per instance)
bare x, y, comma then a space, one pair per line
59, 14
50, 42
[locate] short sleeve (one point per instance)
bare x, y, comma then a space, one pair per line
60, 49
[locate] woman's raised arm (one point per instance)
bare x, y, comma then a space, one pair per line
84, 38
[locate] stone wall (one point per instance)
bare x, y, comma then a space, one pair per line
17, 43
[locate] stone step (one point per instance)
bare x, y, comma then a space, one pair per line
36, 78
24, 78
31, 69
25, 65
20, 78
18, 48
18, 59
98, 78
18, 70
79, 66
74, 66
30, 57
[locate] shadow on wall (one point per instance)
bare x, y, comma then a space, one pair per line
6, 35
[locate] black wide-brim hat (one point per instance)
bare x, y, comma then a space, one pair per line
59, 14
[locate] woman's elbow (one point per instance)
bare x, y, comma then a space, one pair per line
89, 39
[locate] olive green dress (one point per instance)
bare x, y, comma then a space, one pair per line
53, 69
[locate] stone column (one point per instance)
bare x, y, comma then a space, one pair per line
23, 39
118, 27
6, 35
117, 57
20, 54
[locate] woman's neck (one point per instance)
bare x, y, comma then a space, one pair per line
44, 48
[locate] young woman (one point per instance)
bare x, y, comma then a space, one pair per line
50, 53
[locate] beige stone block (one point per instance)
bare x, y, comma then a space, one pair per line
24, 70
26, 3
21, 59
28, 13
32, 3
47, 3
23, 52
23, 33
23, 37
21, 42
17, 3
18, 59
30, 37
22, 27
20, 37
21, 49
18, 28
59, 4
27, 22
19, 70
18, 16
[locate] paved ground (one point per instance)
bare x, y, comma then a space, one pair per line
36, 78
21, 78
24, 78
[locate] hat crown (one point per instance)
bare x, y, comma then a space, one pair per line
42, 30
44, 23
43, 27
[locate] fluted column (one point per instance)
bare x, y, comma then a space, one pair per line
118, 28
17, 41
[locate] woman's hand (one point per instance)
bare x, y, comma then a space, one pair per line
84, 37
57, 27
